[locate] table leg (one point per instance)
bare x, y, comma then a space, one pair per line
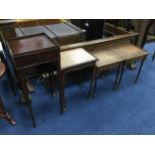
52, 81
61, 83
121, 75
153, 56
138, 74
117, 76
80, 78
92, 83
27, 98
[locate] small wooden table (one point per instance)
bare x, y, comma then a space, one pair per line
130, 53
77, 59
107, 59
34, 54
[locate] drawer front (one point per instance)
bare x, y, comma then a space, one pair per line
36, 59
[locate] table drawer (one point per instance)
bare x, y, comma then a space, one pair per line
36, 59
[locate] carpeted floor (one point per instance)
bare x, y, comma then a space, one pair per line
131, 110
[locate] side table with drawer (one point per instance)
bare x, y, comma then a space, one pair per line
34, 54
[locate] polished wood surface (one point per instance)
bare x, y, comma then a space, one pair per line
2, 69
33, 50
128, 51
26, 45
34, 54
106, 57
75, 57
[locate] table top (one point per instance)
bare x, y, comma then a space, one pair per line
26, 45
106, 57
128, 51
2, 69
75, 57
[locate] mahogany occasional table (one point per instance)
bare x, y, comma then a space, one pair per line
35, 54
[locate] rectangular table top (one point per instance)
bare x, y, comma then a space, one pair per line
128, 51
75, 57
25, 45
106, 57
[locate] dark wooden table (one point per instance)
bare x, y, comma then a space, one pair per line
131, 53
34, 54
107, 60
77, 60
